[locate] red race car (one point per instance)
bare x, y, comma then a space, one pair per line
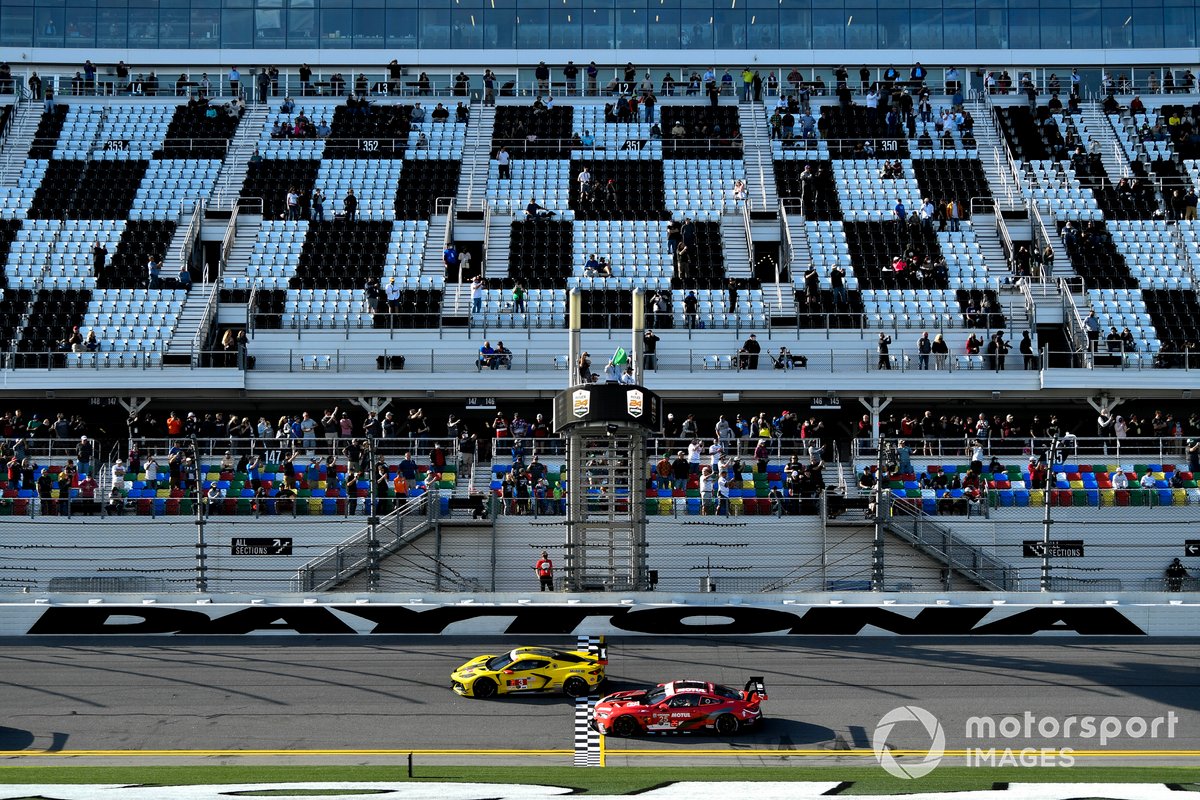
681, 706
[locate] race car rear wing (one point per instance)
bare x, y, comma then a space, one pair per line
755, 689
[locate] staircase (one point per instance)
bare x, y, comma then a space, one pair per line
990, 246
237, 159
441, 230
734, 246
801, 246
1112, 155
994, 156
498, 246
237, 266
194, 317
756, 155
19, 140
780, 299
456, 300
1017, 317
948, 549
1062, 260
180, 243
476, 158
345, 564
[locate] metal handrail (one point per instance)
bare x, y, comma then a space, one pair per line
950, 549
64, 360
206, 319
476, 113
353, 555
189, 238
1017, 449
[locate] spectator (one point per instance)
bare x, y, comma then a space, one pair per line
924, 348
350, 206
1092, 325
748, 355
649, 350
535, 211
477, 288
885, 361
1176, 574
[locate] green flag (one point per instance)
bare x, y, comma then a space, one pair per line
620, 357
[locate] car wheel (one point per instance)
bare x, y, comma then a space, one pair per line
575, 687
483, 687
623, 726
726, 725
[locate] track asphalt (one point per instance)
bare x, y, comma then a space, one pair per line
80, 696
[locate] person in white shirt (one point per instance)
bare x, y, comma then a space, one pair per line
118, 473
611, 373
585, 183
873, 98
152, 472
722, 494
1120, 480
715, 452
503, 160
477, 294
392, 292
628, 378
694, 452
1147, 481
706, 491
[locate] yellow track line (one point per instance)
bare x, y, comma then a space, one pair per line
674, 752
922, 753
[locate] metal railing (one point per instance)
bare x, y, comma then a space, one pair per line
1016, 450
207, 317
716, 359
363, 551
189, 239
908, 522
242, 205
61, 361
476, 151
274, 448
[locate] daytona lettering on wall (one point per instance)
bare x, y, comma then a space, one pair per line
73, 620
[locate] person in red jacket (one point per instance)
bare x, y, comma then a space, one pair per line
544, 568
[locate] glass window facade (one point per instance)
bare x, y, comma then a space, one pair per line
600, 24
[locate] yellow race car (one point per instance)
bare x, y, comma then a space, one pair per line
527, 670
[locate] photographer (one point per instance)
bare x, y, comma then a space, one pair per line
885, 361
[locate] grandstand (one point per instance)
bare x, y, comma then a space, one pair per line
264, 258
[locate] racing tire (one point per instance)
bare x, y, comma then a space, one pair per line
483, 688
726, 725
623, 727
575, 687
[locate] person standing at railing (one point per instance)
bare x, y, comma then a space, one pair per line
924, 349
544, 568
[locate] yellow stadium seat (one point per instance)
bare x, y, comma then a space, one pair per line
1108, 497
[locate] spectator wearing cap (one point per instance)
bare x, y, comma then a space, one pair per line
680, 470
83, 455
